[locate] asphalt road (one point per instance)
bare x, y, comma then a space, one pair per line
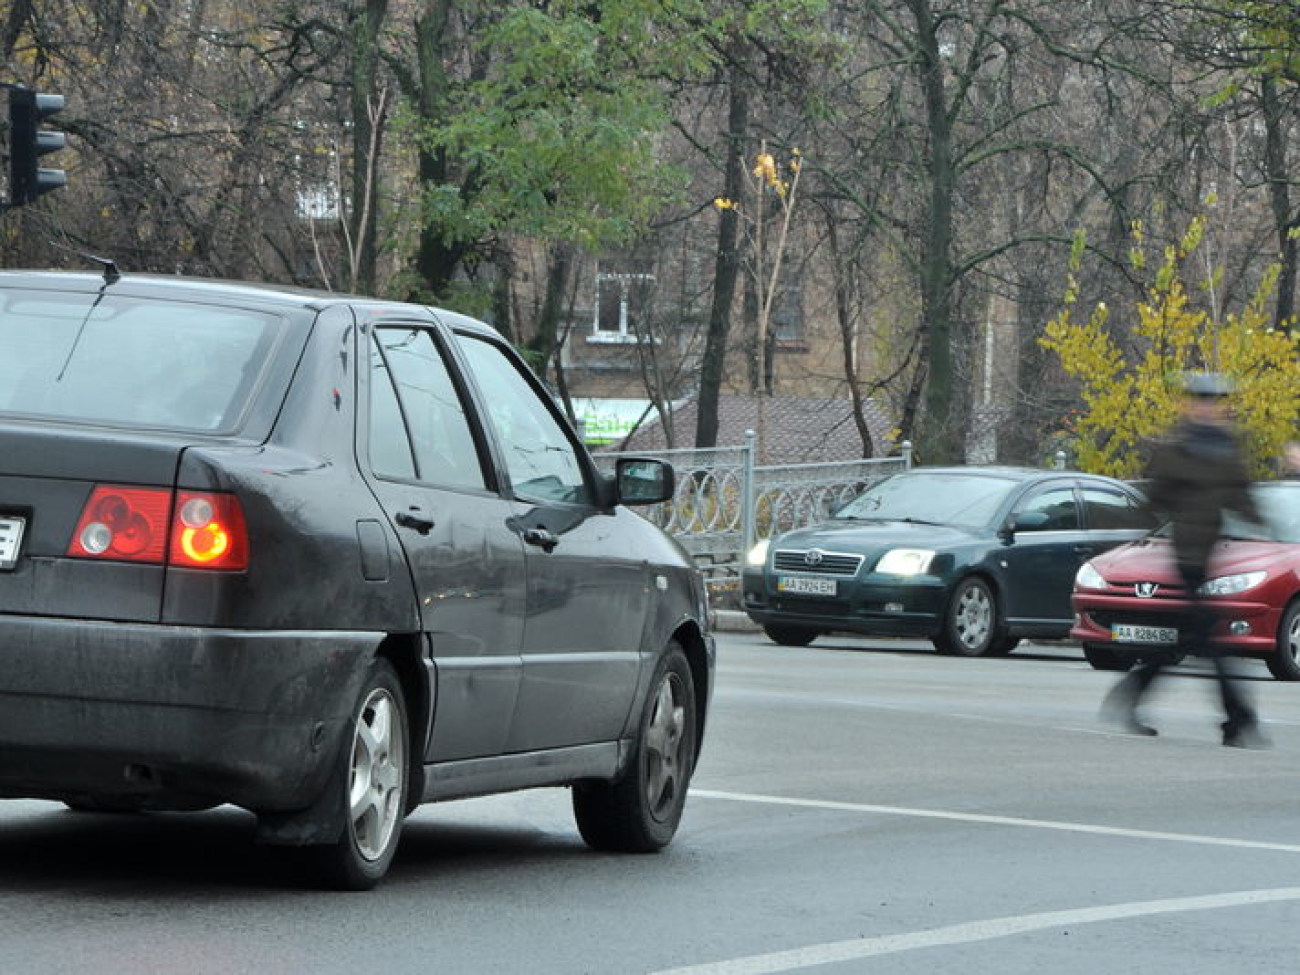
862, 806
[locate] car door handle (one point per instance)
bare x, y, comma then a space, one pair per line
540, 537
418, 522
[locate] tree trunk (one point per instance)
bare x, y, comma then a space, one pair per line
15, 22
366, 126
848, 337
727, 260
545, 342
1277, 173
435, 260
940, 437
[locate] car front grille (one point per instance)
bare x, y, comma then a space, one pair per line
822, 563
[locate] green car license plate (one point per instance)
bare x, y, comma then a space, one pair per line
804, 586
1155, 635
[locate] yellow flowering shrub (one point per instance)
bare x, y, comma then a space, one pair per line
1130, 394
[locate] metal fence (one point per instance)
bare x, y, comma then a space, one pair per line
724, 503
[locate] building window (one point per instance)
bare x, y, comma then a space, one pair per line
622, 306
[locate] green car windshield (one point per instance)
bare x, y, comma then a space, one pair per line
964, 500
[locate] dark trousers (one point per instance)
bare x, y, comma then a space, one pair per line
1194, 629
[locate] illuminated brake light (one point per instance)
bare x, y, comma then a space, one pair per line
123, 523
134, 524
209, 532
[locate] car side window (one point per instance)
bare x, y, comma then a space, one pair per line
390, 447
1058, 505
542, 461
1113, 509
413, 398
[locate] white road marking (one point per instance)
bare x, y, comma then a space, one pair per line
962, 817
845, 951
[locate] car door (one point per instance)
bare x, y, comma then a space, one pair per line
429, 467
1045, 550
587, 586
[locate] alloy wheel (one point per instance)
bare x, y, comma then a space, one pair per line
974, 617
665, 741
378, 767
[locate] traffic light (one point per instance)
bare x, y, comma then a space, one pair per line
27, 142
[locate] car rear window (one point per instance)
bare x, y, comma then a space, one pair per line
129, 361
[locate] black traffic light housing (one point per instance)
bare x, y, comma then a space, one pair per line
27, 142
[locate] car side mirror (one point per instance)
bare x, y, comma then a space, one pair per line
643, 480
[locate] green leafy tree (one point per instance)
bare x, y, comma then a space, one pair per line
1129, 391
546, 130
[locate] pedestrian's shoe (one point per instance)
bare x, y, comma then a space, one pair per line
1135, 727
1244, 736
1118, 709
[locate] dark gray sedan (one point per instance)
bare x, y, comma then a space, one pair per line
324, 558
973, 558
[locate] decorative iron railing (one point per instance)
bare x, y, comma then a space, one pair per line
724, 504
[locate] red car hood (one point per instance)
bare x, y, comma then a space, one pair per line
1152, 560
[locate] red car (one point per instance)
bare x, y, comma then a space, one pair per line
1127, 600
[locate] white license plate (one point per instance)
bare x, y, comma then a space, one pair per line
1158, 635
11, 537
805, 586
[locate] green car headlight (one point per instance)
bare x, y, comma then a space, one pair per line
905, 561
758, 554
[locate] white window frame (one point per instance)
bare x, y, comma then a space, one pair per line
623, 335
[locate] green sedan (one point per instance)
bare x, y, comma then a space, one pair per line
973, 558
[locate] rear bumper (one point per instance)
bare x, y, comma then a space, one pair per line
169, 716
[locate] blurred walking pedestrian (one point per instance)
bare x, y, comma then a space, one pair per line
1194, 475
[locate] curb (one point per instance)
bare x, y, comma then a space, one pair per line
733, 621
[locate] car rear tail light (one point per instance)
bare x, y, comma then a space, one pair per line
198, 529
124, 524
208, 532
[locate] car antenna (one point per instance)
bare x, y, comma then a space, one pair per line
111, 274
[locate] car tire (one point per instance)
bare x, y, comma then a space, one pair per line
788, 635
370, 784
973, 624
1284, 661
1004, 646
639, 812
1103, 658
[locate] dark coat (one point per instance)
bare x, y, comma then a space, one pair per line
1193, 477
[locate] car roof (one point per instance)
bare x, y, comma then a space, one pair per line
1005, 472
182, 287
